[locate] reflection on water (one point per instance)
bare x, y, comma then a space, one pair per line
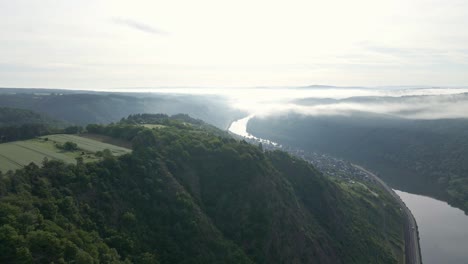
443, 229
239, 127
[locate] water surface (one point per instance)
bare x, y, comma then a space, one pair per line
443, 229
239, 127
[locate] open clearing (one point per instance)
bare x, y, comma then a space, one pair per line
153, 126
15, 155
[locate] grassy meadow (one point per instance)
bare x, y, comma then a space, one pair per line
14, 155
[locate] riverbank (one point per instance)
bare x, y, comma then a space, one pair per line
411, 235
412, 245
443, 229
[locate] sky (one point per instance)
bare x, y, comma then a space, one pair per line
97, 44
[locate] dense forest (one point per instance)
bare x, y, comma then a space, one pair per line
189, 193
82, 107
17, 117
20, 124
421, 156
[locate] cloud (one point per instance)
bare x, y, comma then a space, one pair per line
410, 107
409, 103
139, 26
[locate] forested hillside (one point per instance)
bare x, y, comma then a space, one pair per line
17, 124
189, 193
17, 117
82, 108
422, 156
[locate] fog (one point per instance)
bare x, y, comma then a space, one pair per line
404, 102
412, 107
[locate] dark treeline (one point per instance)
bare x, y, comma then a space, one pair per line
19, 124
17, 117
28, 131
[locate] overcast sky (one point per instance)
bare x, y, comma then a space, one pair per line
105, 44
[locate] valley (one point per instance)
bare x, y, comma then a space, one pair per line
352, 174
430, 243
234, 132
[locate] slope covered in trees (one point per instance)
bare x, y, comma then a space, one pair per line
422, 156
17, 117
17, 124
189, 193
82, 108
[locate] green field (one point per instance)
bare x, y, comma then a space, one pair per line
14, 155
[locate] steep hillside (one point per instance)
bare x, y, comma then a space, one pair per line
189, 194
423, 156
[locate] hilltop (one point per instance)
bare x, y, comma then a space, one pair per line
189, 193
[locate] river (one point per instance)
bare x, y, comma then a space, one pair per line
239, 127
443, 229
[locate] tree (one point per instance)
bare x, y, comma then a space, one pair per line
69, 146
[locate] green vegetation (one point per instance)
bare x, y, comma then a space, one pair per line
66, 148
189, 195
87, 144
429, 157
26, 131
82, 108
154, 126
19, 124
18, 117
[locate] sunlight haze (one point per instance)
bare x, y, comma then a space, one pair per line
245, 132
108, 44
